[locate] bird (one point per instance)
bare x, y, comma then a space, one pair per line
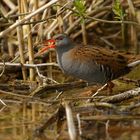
93, 64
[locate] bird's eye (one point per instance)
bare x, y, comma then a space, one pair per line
60, 38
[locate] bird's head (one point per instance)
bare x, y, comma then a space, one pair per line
60, 41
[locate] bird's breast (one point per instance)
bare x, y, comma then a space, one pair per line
86, 70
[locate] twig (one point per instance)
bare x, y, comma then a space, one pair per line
26, 98
3, 102
100, 89
13, 94
29, 65
59, 94
79, 124
113, 22
44, 78
3, 69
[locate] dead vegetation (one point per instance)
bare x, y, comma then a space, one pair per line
29, 80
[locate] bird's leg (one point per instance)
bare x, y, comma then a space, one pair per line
109, 86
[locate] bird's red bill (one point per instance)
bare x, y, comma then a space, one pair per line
48, 44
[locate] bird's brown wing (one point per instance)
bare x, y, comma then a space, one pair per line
131, 57
105, 57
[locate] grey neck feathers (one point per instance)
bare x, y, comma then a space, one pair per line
65, 48
61, 50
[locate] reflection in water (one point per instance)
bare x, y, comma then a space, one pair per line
20, 119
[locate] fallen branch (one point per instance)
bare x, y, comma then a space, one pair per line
40, 91
122, 96
109, 117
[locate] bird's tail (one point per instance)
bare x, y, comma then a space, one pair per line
134, 64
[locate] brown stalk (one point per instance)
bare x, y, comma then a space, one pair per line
40, 29
84, 33
21, 45
36, 5
30, 45
21, 41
